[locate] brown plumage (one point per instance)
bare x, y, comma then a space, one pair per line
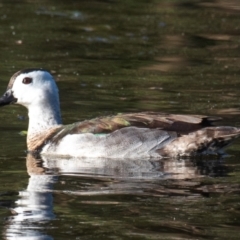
182, 124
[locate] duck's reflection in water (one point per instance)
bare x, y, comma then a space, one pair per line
34, 208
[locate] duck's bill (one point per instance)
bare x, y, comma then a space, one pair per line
7, 98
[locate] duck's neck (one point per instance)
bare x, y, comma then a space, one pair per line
43, 118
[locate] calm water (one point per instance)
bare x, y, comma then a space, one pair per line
122, 56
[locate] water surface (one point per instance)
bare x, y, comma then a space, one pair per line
122, 56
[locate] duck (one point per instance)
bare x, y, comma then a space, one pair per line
146, 135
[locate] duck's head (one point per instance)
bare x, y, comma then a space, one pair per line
29, 87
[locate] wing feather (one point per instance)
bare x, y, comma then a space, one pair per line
182, 124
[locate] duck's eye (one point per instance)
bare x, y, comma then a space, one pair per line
27, 80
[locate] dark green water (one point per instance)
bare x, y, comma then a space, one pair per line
122, 56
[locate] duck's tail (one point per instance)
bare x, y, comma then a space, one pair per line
209, 140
